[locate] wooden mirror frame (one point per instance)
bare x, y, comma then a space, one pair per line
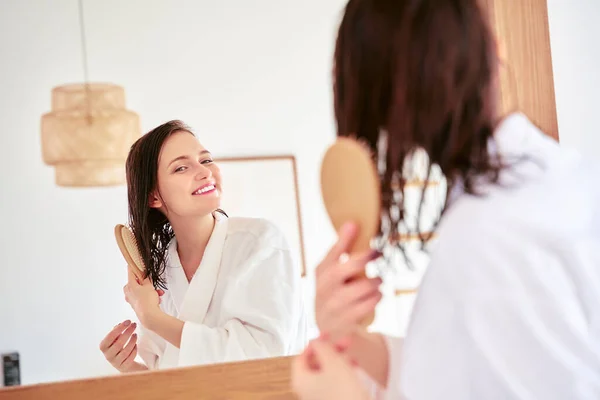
292, 159
265, 379
527, 79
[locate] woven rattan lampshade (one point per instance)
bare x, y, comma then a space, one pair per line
88, 134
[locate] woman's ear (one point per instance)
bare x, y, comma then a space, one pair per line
154, 200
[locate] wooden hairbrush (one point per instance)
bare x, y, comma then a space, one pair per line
129, 249
350, 189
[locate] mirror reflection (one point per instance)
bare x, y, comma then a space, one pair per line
214, 288
184, 132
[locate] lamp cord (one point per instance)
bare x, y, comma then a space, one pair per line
85, 64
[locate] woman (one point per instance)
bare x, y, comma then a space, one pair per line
217, 289
510, 305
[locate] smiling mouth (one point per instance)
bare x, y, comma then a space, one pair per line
205, 189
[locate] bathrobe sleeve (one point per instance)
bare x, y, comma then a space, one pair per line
259, 311
147, 348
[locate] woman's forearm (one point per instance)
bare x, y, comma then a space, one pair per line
166, 326
371, 353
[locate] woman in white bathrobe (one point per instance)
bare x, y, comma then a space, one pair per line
510, 305
218, 289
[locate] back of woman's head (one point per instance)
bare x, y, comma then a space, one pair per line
150, 226
423, 71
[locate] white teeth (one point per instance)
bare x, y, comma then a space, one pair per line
205, 189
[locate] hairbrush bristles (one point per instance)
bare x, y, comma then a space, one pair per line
128, 246
365, 145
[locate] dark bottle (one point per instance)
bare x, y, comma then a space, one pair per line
11, 369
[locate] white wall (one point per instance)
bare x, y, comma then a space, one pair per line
575, 42
250, 76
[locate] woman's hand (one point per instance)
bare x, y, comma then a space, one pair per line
145, 300
142, 297
341, 302
120, 347
324, 372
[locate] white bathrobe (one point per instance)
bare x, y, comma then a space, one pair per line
244, 302
510, 305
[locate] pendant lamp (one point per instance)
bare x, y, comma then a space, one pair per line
88, 133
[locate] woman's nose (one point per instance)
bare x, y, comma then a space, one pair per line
203, 173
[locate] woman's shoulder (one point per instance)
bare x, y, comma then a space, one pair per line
258, 230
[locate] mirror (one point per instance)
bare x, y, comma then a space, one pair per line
212, 66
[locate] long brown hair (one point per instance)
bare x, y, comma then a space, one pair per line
150, 226
424, 72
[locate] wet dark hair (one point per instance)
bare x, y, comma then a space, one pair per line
423, 71
150, 226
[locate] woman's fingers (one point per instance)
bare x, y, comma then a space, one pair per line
346, 237
352, 292
113, 335
119, 343
358, 289
362, 308
131, 278
343, 344
125, 352
302, 366
325, 355
130, 358
343, 315
310, 360
341, 273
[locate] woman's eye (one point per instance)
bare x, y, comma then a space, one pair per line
209, 161
180, 169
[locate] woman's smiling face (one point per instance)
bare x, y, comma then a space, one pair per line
189, 181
